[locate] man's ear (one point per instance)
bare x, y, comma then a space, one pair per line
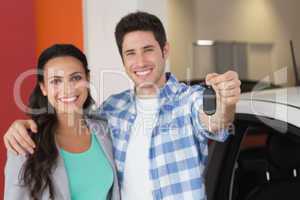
43, 89
166, 50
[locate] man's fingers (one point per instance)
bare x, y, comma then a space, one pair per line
230, 93
32, 125
209, 77
20, 140
228, 76
228, 85
15, 146
9, 147
24, 135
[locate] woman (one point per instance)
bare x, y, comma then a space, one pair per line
73, 158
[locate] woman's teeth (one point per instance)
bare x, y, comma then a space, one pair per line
143, 73
68, 99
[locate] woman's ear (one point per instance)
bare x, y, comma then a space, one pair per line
88, 76
43, 89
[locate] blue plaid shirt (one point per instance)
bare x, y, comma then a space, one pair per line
178, 151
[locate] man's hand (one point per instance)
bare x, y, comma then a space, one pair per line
17, 139
227, 88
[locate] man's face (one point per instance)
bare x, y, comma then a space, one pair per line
144, 60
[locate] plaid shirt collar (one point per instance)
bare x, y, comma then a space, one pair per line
167, 92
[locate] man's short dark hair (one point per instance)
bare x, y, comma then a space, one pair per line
140, 21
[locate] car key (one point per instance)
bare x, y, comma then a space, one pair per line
209, 103
209, 100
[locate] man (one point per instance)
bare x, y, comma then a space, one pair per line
159, 131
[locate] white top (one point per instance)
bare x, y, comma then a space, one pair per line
137, 184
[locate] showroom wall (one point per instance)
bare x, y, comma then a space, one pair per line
259, 21
17, 53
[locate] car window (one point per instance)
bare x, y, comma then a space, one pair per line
265, 158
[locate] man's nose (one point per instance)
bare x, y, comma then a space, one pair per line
140, 60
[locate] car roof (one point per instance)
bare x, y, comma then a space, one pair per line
280, 104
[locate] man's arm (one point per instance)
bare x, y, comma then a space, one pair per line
17, 139
227, 88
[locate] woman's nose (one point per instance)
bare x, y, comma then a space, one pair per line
69, 88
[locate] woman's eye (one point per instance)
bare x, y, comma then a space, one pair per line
76, 78
55, 81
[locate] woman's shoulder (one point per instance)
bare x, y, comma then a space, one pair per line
97, 125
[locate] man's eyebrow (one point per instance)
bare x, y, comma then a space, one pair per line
148, 47
129, 51
145, 47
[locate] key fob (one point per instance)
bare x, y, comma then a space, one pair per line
209, 100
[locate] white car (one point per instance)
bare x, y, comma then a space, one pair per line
262, 160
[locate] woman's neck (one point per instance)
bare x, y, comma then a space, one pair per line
70, 124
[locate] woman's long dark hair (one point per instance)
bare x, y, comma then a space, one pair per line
38, 168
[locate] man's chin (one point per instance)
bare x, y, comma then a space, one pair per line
146, 84
147, 88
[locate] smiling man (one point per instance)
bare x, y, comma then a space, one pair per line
159, 132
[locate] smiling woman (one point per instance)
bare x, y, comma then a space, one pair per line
64, 142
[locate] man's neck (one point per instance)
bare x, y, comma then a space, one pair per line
146, 93
150, 90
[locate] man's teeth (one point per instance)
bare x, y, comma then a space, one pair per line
143, 73
68, 99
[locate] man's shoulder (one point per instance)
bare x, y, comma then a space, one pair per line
118, 99
186, 90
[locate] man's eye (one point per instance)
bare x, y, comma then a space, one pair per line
130, 54
148, 50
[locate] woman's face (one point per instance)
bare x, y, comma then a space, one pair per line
65, 84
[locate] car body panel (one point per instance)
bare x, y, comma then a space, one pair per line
280, 104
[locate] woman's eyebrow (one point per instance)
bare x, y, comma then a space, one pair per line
55, 76
75, 73
58, 76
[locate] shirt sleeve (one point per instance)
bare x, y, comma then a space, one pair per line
196, 98
13, 189
101, 112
